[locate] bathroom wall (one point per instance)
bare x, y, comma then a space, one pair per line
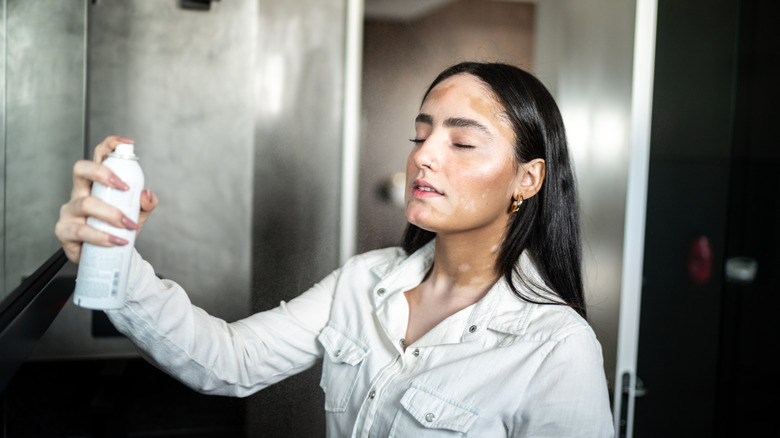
295, 217
236, 112
180, 83
584, 53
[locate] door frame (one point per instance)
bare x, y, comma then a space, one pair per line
624, 394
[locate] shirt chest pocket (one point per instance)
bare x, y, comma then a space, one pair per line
343, 359
425, 414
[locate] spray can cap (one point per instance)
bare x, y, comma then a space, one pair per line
124, 150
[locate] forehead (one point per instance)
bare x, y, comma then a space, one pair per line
464, 92
466, 96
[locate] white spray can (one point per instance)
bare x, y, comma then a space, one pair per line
102, 275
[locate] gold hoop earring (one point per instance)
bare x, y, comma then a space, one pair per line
516, 204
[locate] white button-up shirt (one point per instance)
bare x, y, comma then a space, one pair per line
501, 367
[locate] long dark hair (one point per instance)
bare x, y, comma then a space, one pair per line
547, 224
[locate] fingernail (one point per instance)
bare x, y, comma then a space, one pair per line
117, 240
130, 225
118, 183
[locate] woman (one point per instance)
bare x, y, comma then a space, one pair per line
475, 328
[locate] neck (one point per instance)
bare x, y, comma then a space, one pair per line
463, 273
464, 266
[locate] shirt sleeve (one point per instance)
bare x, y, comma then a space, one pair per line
207, 353
569, 395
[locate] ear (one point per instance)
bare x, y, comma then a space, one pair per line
531, 176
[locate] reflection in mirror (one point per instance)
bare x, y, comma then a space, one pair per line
42, 77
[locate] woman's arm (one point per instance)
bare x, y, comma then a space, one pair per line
204, 352
569, 395
212, 356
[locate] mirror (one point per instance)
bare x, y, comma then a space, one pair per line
42, 73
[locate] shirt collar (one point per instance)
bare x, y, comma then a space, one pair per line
401, 274
499, 310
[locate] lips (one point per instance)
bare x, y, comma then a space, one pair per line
423, 188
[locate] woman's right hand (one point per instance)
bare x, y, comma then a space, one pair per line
72, 229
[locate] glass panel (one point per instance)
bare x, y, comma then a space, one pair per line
43, 125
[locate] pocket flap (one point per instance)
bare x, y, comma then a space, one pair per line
435, 412
340, 348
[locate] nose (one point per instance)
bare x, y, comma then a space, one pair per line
424, 155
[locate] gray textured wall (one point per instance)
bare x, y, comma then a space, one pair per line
584, 54
43, 113
236, 113
300, 59
180, 84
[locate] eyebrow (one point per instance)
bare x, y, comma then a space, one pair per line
454, 122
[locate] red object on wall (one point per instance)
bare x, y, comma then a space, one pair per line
700, 260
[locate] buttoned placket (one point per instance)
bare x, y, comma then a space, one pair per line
375, 396
402, 364
375, 393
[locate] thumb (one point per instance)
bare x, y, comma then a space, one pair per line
148, 204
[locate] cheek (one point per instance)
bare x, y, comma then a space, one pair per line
485, 187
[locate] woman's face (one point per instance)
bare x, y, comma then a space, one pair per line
461, 174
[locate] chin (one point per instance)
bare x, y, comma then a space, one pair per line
415, 217
422, 224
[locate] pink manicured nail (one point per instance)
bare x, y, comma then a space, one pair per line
130, 225
117, 240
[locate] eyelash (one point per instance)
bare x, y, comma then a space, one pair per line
457, 145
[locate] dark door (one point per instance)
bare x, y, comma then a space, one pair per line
750, 336
707, 337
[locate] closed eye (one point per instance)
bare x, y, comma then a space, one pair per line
457, 145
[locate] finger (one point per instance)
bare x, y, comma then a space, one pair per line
79, 209
74, 233
107, 146
85, 172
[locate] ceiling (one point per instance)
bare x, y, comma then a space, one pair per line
407, 9
401, 9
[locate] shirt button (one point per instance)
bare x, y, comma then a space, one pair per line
402, 343
372, 394
381, 292
337, 353
416, 352
429, 417
472, 329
